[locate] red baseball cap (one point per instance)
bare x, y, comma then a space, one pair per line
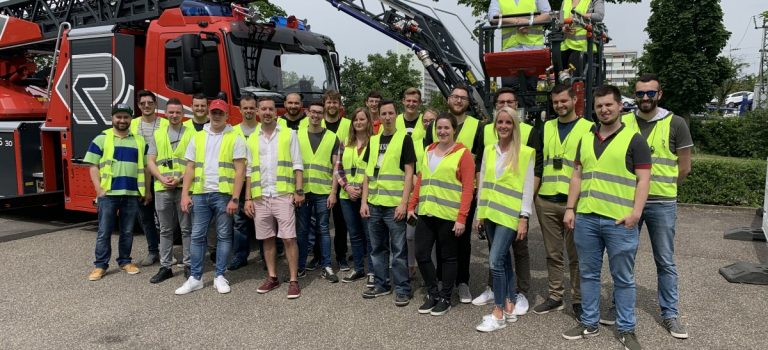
220, 105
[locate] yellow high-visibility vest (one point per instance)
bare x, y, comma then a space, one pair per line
284, 183
664, 168
171, 162
501, 199
440, 192
226, 162
107, 158
386, 189
554, 181
318, 168
354, 167
511, 37
578, 39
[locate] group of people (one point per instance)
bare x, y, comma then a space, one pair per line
408, 189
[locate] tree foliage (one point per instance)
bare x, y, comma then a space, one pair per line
685, 40
734, 80
267, 9
480, 7
389, 74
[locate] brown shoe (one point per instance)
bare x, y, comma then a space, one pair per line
294, 291
96, 274
269, 284
130, 268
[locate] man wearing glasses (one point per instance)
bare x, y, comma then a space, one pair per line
146, 127
470, 133
670, 141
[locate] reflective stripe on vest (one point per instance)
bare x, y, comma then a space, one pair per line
105, 166
490, 137
501, 199
577, 40
284, 181
166, 155
386, 189
511, 37
555, 181
352, 162
135, 122
467, 134
607, 187
440, 192
226, 163
664, 169
318, 169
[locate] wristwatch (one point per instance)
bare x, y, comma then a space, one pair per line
300, 192
235, 200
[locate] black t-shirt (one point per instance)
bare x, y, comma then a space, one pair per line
408, 155
294, 124
316, 138
333, 126
197, 126
477, 147
410, 124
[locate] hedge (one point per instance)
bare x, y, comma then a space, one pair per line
724, 181
745, 136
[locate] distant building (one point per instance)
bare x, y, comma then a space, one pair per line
619, 65
428, 85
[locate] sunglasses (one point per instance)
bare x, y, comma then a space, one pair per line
651, 94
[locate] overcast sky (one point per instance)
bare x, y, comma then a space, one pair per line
626, 24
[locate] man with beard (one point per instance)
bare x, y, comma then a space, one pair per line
372, 101
606, 196
244, 229
118, 176
293, 117
670, 141
146, 127
555, 154
470, 133
165, 162
199, 112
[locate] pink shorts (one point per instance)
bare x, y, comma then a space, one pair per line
275, 213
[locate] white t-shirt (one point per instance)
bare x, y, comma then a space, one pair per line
212, 149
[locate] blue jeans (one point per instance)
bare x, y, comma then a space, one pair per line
244, 233
593, 235
315, 204
500, 260
358, 233
207, 207
146, 214
660, 219
388, 237
108, 208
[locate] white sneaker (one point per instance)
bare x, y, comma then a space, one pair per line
192, 284
465, 297
221, 284
485, 298
521, 305
511, 318
491, 324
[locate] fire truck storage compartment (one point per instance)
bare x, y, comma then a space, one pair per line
20, 158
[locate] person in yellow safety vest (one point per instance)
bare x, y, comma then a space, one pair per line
319, 150
575, 43
469, 133
390, 160
274, 187
505, 182
166, 163
606, 196
294, 118
216, 160
350, 172
372, 101
443, 191
523, 35
555, 153
506, 97
146, 125
244, 229
199, 112
670, 140
117, 172
411, 121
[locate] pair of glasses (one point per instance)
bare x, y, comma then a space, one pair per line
650, 94
460, 98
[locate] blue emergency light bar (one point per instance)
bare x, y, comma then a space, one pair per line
288, 22
205, 8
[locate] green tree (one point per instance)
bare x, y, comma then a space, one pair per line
730, 69
389, 74
437, 102
480, 7
685, 39
267, 9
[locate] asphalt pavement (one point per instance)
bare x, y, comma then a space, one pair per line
46, 302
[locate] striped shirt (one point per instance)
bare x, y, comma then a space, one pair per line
125, 166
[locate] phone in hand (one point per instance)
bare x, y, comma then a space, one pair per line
412, 220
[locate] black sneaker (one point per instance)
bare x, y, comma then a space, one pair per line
441, 308
429, 304
162, 275
375, 292
608, 318
328, 274
675, 328
302, 273
343, 266
354, 276
371, 282
581, 331
577, 311
548, 306
402, 300
629, 339
312, 265
187, 272
237, 263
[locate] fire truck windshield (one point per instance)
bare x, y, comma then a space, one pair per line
272, 70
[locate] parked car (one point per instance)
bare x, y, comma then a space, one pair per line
736, 98
628, 103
